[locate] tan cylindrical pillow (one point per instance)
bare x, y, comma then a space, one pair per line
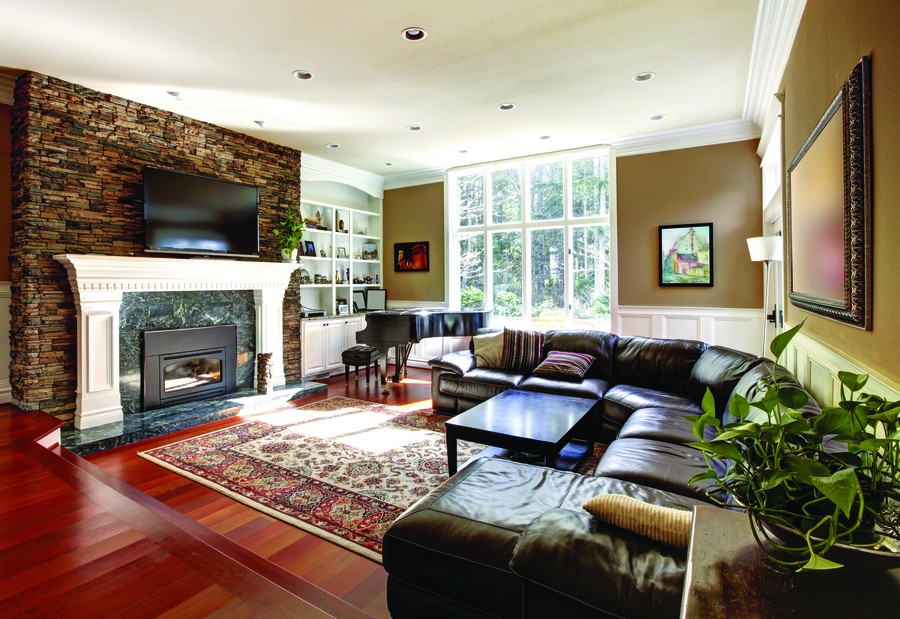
663, 524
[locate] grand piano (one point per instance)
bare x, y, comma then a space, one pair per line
388, 329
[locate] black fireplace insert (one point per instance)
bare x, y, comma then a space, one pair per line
181, 365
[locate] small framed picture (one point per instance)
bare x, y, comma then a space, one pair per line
686, 255
411, 256
341, 252
309, 248
369, 251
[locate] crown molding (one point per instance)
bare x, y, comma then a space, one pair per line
776, 27
416, 177
318, 169
7, 85
689, 137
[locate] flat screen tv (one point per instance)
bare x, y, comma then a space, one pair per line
190, 214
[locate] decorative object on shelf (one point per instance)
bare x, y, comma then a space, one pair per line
347, 275
264, 373
322, 254
369, 251
288, 232
411, 256
310, 248
832, 480
340, 227
304, 276
318, 278
342, 252
341, 307
686, 255
319, 219
766, 249
829, 224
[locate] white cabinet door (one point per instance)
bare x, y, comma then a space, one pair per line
351, 326
312, 347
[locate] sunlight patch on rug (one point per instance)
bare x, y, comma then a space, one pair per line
342, 469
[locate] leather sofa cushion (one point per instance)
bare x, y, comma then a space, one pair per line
587, 388
666, 466
458, 541
719, 368
598, 344
458, 362
747, 386
480, 383
576, 566
622, 400
663, 424
659, 364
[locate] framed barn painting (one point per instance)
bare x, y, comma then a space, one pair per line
411, 256
686, 255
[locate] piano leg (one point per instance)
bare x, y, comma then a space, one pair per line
384, 374
398, 363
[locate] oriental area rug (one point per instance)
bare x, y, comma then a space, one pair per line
341, 469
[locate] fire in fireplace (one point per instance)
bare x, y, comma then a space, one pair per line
181, 365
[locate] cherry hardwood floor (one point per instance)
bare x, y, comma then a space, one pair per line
348, 576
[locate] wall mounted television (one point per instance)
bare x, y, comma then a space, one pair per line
191, 214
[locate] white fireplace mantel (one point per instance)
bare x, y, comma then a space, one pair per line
98, 283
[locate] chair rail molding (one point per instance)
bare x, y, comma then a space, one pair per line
738, 328
816, 366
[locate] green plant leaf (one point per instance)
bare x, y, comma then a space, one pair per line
853, 382
771, 479
792, 397
709, 474
840, 488
739, 407
833, 420
719, 449
874, 444
709, 402
817, 562
701, 422
781, 341
806, 467
739, 431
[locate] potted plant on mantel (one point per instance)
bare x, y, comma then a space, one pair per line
820, 491
289, 232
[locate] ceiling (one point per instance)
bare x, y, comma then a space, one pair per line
567, 65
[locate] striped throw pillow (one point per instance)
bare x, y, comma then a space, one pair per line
565, 365
521, 349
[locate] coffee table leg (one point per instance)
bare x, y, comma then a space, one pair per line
451, 452
551, 460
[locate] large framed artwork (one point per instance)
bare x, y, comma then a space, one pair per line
686, 255
411, 256
829, 209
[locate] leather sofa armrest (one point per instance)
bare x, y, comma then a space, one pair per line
458, 362
567, 555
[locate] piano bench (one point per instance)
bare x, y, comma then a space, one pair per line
360, 356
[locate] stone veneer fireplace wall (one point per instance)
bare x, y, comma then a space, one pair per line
148, 311
77, 157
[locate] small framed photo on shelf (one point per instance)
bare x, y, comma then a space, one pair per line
369, 251
341, 252
309, 248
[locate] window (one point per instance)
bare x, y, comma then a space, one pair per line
530, 240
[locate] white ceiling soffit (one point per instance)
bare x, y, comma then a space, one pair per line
567, 65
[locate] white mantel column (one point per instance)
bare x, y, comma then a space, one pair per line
97, 396
270, 329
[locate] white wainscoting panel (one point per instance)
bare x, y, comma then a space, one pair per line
816, 366
737, 328
5, 388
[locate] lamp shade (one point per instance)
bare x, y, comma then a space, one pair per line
766, 248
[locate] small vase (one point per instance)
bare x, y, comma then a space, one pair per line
289, 255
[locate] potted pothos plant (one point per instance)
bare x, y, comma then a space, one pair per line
815, 486
288, 232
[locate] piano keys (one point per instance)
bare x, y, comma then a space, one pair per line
401, 329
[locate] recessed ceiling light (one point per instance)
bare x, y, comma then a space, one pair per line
414, 128
261, 123
643, 77
301, 74
506, 106
332, 145
174, 94
545, 137
658, 117
413, 33
463, 151
387, 164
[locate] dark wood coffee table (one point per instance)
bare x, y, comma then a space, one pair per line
524, 421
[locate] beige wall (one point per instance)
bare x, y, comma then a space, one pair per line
415, 214
832, 37
5, 190
719, 184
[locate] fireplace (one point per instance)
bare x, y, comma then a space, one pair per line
181, 365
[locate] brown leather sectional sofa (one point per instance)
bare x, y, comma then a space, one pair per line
509, 539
